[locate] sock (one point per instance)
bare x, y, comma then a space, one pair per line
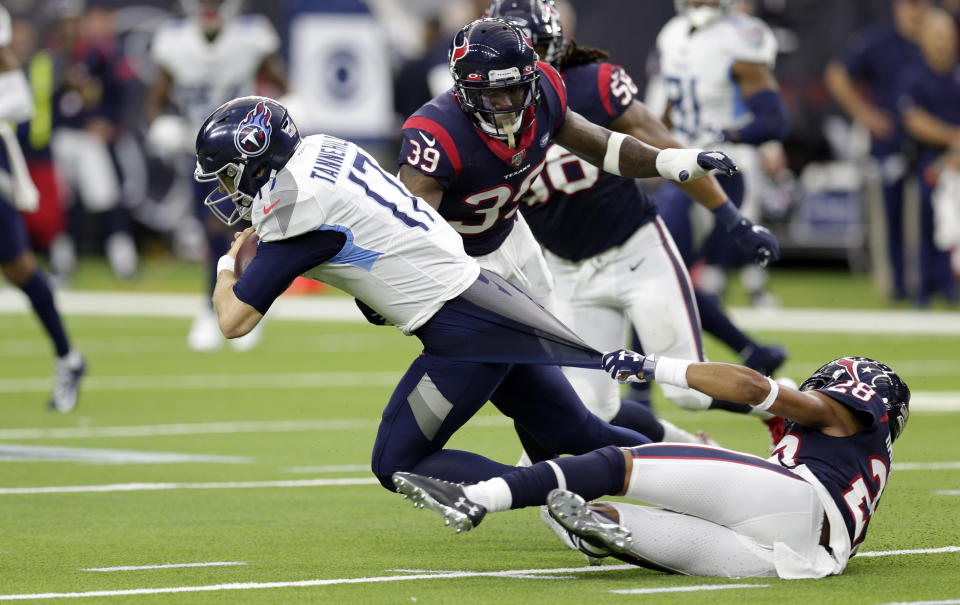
716, 322
41, 297
493, 494
639, 417
599, 473
674, 434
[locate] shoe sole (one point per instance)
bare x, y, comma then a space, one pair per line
572, 512
421, 499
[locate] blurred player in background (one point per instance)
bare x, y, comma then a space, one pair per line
716, 68
204, 59
17, 192
930, 102
877, 58
715, 512
613, 261
88, 99
324, 208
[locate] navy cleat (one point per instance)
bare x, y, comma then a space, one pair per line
444, 497
593, 528
765, 359
68, 371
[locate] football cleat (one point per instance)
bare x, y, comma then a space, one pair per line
443, 497
597, 530
205, 335
572, 541
764, 359
68, 371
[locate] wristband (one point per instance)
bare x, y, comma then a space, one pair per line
226, 263
727, 215
771, 396
611, 160
672, 371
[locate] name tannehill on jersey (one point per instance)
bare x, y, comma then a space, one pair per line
484, 180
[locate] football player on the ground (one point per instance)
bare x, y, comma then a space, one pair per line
16, 259
801, 514
716, 68
475, 151
324, 208
207, 58
613, 261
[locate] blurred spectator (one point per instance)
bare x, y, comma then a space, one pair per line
878, 58
88, 99
210, 56
48, 221
930, 102
17, 192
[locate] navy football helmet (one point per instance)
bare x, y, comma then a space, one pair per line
891, 388
539, 20
495, 76
241, 146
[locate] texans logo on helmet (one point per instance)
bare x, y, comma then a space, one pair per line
459, 50
253, 133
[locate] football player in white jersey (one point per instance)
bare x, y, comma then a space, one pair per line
716, 69
204, 59
325, 209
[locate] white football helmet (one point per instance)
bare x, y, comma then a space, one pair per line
703, 12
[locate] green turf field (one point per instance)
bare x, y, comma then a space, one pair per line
272, 448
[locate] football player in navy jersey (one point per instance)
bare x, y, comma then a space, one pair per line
475, 151
802, 513
325, 209
613, 261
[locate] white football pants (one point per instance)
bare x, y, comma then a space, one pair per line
643, 284
722, 511
520, 261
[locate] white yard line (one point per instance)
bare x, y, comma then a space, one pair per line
439, 575
916, 551
341, 308
139, 487
166, 566
925, 466
687, 588
47, 453
947, 602
946, 492
219, 428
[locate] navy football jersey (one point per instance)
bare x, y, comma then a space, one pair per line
575, 209
853, 469
483, 179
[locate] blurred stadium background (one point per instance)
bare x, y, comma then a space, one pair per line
169, 428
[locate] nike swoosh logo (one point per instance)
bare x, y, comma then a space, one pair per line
429, 140
634, 267
270, 207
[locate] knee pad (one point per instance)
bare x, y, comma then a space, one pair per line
688, 399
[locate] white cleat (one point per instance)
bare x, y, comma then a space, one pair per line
205, 335
67, 373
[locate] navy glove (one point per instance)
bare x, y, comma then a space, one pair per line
754, 240
624, 366
717, 160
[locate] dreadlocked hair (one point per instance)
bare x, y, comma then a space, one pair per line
575, 55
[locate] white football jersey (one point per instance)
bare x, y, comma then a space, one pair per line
695, 67
401, 257
206, 74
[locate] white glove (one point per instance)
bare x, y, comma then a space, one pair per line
685, 165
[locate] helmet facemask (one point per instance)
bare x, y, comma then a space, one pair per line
499, 109
228, 179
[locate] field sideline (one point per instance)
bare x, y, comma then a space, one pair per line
242, 477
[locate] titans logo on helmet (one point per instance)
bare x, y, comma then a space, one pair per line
253, 133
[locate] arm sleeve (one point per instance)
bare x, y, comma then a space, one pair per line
276, 264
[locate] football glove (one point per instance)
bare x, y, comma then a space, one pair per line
754, 240
625, 366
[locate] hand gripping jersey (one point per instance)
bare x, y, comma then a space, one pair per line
853, 470
695, 65
575, 209
400, 257
206, 74
483, 179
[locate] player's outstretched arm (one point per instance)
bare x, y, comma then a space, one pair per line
235, 316
625, 155
737, 384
